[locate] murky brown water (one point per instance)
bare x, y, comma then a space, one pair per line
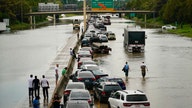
168, 82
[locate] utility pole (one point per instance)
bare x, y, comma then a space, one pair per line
84, 14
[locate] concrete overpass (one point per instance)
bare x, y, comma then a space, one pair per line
54, 13
89, 11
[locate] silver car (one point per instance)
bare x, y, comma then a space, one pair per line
77, 104
80, 94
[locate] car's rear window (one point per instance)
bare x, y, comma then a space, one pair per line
112, 87
80, 95
136, 98
80, 105
115, 80
75, 86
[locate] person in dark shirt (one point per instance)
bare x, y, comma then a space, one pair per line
36, 85
56, 101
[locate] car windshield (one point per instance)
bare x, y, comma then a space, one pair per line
112, 87
136, 98
75, 86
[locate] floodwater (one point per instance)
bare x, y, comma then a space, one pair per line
27, 52
168, 82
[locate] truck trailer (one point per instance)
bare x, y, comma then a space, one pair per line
134, 39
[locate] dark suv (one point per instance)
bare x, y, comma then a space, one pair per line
104, 90
111, 79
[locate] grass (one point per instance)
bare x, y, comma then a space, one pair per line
186, 30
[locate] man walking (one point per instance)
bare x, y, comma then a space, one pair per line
45, 86
30, 87
126, 70
143, 69
36, 85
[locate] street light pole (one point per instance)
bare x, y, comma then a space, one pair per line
84, 14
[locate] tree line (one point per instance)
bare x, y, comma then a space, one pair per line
169, 11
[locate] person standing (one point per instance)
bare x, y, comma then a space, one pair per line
64, 71
30, 87
56, 101
71, 52
45, 86
126, 70
56, 73
36, 85
74, 54
143, 69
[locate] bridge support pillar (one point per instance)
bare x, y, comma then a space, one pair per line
54, 19
120, 15
31, 21
145, 19
34, 22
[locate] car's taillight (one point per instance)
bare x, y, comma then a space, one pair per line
79, 64
146, 104
103, 93
80, 79
93, 79
127, 104
89, 101
97, 77
67, 92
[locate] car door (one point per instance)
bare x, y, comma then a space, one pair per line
114, 100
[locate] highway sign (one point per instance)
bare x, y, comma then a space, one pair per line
102, 5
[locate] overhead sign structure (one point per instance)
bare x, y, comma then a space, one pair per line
102, 5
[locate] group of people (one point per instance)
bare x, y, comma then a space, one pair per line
34, 89
126, 69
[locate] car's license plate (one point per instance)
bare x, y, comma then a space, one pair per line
137, 106
86, 80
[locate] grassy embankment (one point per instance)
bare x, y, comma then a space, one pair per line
185, 30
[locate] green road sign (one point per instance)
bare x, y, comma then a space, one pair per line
102, 4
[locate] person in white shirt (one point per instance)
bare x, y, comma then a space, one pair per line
143, 69
56, 73
30, 86
45, 86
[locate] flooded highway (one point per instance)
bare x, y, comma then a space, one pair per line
168, 57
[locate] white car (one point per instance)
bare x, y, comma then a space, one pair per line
128, 99
168, 27
111, 36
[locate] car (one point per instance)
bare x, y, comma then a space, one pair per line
88, 35
128, 99
168, 27
87, 49
85, 42
77, 104
84, 54
84, 61
97, 72
111, 79
103, 38
86, 77
103, 91
111, 36
80, 94
70, 86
